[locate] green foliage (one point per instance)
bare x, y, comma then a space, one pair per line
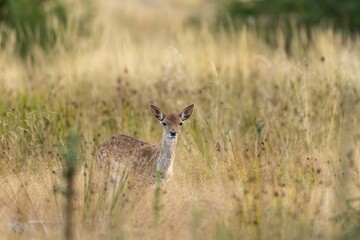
340, 14
289, 16
39, 22
71, 155
33, 22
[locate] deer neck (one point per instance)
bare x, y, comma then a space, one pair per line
166, 156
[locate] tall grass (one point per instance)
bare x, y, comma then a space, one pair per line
270, 153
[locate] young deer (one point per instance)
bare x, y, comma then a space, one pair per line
143, 160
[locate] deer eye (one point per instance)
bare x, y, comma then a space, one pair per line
181, 123
163, 123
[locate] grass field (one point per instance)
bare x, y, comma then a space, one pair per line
271, 151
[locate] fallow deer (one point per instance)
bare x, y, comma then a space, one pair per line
143, 161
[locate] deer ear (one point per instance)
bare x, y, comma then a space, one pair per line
159, 115
186, 113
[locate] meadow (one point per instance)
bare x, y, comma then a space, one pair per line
271, 151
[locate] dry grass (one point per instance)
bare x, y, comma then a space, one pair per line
272, 151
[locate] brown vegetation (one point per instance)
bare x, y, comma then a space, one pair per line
271, 152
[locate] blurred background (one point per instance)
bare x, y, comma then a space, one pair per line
43, 22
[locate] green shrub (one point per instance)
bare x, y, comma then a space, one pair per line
340, 14
33, 22
288, 16
41, 23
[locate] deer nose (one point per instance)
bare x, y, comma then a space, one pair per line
172, 132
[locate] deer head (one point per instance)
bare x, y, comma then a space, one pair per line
172, 122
